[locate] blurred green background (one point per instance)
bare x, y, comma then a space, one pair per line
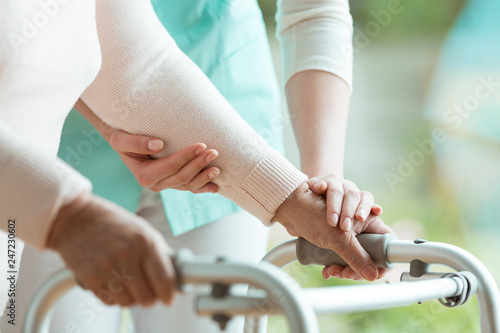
393, 73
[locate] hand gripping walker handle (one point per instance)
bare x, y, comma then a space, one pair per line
374, 244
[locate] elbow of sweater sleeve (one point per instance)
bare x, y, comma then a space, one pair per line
315, 35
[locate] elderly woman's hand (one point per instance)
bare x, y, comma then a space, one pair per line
303, 214
115, 254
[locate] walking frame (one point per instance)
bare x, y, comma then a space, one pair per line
274, 292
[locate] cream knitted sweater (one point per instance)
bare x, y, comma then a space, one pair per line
120, 60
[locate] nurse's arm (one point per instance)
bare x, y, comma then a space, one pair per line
316, 43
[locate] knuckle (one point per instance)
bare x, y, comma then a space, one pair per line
172, 167
156, 189
336, 191
144, 180
182, 179
147, 300
141, 240
186, 187
139, 145
114, 139
104, 264
125, 301
353, 193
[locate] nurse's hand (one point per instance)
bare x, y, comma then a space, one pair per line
115, 254
345, 203
184, 170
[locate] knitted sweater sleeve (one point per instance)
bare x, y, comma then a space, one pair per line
147, 86
34, 186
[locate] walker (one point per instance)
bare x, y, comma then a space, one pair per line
274, 292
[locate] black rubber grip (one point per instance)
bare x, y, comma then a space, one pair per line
374, 244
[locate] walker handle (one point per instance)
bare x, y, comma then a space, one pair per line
374, 244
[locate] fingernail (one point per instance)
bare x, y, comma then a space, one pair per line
212, 156
369, 273
334, 220
347, 224
362, 213
200, 150
155, 144
213, 174
317, 185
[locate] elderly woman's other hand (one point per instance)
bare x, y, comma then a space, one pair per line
115, 254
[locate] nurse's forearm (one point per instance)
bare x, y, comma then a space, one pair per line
94, 120
318, 103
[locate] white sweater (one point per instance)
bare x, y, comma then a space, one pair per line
120, 60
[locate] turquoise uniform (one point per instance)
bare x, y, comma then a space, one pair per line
227, 40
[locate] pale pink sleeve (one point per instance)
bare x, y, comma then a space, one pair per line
148, 86
34, 186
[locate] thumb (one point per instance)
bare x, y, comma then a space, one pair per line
124, 142
317, 185
358, 259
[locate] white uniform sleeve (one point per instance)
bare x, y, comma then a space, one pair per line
33, 187
315, 35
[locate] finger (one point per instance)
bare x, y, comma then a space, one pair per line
351, 201
382, 272
202, 179
334, 270
160, 273
150, 172
124, 142
208, 188
317, 185
190, 171
365, 205
350, 274
377, 210
140, 290
114, 293
324, 273
373, 224
80, 283
334, 199
356, 257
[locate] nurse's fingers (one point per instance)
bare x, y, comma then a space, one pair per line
192, 175
203, 178
124, 142
352, 197
365, 205
150, 172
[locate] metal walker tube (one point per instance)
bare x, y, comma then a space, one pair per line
300, 306
439, 253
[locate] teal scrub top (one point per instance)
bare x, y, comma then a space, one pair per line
227, 40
